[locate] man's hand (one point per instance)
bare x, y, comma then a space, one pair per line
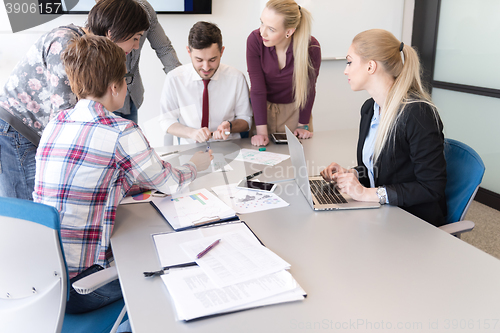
223, 131
201, 135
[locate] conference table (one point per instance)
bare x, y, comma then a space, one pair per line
369, 270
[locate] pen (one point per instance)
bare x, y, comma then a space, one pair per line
211, 246
208, 148
167, 268
172, 152
226, 133
254, 174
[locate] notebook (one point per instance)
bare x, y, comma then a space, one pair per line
321, 195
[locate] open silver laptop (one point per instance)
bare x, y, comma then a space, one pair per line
320, 194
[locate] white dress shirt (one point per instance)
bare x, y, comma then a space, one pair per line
369, 146
182, 97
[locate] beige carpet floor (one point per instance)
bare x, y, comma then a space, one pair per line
486, 234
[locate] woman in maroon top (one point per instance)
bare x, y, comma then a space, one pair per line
283, 62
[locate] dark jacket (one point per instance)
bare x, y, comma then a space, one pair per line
412, 167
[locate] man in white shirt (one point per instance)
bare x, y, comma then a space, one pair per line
186, 89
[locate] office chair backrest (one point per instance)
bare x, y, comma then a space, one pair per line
33, 278
465, 170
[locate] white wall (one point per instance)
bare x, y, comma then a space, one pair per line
336, 106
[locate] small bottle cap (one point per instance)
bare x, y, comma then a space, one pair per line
262, 149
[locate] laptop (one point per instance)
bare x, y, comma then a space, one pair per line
320, 194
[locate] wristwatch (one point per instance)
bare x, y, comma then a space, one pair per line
306, 127
382, 195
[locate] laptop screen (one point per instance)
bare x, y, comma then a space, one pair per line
299, 165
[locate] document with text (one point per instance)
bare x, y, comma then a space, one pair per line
195, 295
238, 273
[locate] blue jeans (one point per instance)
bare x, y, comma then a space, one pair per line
17, 164
100, 297
133, 113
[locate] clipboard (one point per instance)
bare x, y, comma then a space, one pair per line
194, 209
185, 301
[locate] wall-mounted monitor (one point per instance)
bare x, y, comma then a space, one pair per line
160, 6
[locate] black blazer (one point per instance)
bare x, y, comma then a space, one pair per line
412, 166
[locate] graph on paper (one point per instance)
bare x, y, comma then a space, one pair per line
199, 197
193, 208
258, 157
248, 201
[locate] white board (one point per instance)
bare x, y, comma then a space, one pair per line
336, 22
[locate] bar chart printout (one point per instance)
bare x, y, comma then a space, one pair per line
197, 196
192, 209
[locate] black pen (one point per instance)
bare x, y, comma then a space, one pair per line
167, 268
254, 175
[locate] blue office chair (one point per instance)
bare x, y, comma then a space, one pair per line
33, 275
465, 170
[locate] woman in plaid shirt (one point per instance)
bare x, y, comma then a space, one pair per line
88, 159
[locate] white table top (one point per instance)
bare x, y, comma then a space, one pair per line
363, 271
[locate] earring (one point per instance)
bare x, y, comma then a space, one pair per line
114, 94
287, 35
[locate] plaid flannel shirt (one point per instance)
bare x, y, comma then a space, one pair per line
87, 161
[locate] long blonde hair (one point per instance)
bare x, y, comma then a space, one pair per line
300, 19
384, 48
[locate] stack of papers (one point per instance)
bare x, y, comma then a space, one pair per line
239, 273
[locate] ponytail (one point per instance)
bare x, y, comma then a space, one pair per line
301, 19
381, 46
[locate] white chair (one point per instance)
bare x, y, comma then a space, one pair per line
33, 277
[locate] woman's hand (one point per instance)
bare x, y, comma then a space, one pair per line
262, 137
302, 133
348, 182
260, 140
330, 170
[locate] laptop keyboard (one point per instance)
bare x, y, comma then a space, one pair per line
326, 193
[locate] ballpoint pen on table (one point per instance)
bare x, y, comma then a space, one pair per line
165, 269
170, 153
254, 175
210, 247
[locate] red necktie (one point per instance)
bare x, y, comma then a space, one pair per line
204, 119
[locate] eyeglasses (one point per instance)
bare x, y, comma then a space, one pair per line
129, 78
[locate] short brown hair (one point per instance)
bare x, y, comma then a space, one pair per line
203, 34
121, 18
92, 63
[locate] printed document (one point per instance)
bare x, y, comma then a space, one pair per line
235, 259
195, 295
183, 210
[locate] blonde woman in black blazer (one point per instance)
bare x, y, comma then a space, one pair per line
400, 148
